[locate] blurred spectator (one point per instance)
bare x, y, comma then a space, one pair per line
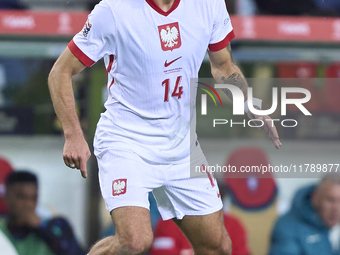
25, 230
312, 226
11, 4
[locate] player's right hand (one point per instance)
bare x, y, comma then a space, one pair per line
76, 153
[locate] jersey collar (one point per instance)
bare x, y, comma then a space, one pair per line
159, 10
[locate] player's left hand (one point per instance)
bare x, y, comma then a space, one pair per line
268, 127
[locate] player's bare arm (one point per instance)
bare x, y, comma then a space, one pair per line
225, 71
76, 150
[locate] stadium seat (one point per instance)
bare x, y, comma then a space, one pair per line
332, 76
253, 190
303, 72
5, 169
253, 197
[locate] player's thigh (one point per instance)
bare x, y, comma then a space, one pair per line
132, 225
206, 231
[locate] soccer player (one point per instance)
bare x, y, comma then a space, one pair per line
151, 49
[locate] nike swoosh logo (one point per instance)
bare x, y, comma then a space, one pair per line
166, 64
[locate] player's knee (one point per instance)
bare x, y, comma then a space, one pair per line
226, 246
222, 248
137, 244
213, 247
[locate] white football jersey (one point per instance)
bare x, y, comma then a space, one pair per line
150, 56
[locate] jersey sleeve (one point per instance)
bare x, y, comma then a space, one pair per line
222, 32
96, 39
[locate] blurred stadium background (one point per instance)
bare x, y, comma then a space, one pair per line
295, 42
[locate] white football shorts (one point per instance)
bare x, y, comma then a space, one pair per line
126, 179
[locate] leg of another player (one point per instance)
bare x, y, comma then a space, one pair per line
206, 234
133, 233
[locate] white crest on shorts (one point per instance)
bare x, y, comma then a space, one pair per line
119, 187
169, 36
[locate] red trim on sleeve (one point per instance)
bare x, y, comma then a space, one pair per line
113, 81
222, 44
112, 57
79, 54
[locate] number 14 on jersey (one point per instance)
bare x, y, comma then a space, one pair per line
177, 92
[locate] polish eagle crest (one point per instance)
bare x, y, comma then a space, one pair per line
169, 36
119, 187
